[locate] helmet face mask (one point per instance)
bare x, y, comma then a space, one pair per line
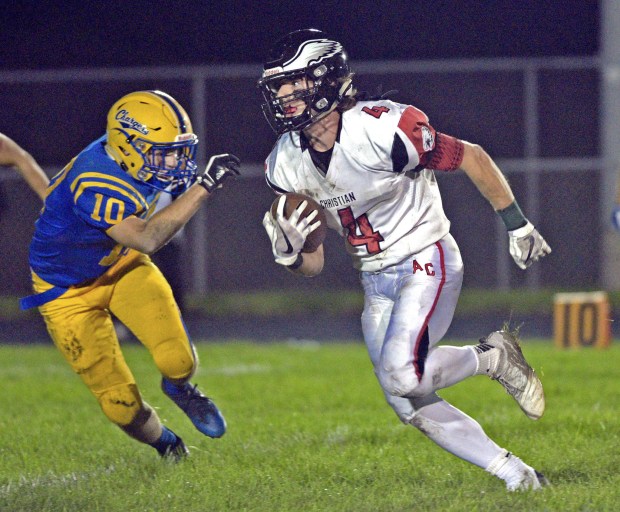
150, 136
310, 55
275, 107
166, 165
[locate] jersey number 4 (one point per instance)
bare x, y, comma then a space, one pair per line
368, 236
375, 111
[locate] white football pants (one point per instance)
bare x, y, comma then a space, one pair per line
407, 311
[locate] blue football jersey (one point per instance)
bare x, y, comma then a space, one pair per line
91, 194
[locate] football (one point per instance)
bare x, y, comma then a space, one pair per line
293, 200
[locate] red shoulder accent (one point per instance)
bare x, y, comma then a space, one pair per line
448, 153
414, 124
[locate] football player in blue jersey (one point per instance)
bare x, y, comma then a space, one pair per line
89, 257
13, 155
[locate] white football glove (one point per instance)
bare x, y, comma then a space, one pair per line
527, 245
615, 217
289, 235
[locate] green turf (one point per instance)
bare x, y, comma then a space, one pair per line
308, 431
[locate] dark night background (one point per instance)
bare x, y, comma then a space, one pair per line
55, 117
44, 35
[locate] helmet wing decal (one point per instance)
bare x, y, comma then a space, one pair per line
312, 52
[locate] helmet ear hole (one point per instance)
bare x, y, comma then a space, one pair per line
319, 71
321, 104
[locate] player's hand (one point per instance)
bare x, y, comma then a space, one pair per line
289, 235
218, 170
615, 217
527, 245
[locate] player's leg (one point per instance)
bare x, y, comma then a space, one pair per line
83, 331
450, 428
425, 290
442, 423
498, 355
382, 300
144, 302
461, 435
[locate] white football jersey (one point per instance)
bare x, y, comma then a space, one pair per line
375, 192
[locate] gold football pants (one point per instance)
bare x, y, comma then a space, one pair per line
80, 325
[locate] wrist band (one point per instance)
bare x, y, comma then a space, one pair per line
297, 263
206, 183
512, 216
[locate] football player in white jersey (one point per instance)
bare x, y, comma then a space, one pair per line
370, 164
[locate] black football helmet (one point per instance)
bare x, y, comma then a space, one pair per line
310, 54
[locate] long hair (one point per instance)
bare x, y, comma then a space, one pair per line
350, 101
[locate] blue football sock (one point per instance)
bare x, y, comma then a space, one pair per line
172, 389
167, 438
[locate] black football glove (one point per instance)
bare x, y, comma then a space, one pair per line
218, 170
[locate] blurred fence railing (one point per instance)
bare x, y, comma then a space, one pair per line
537, 117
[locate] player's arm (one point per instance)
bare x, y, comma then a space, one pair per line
525, 243
487, 177
13, 155
310, 263
150, 235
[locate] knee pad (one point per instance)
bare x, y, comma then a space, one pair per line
121, 404
176, 359
399, 381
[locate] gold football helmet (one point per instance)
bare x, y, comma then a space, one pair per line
150, 136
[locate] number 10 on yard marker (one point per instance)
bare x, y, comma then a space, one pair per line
581, 320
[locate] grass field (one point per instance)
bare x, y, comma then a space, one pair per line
308, 431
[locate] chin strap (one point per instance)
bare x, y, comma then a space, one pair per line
346, 89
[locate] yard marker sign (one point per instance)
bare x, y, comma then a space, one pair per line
581, 319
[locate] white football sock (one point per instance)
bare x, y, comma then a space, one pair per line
456, 433
487, 358
446, 366
511, 469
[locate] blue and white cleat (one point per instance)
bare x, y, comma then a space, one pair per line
203, 413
